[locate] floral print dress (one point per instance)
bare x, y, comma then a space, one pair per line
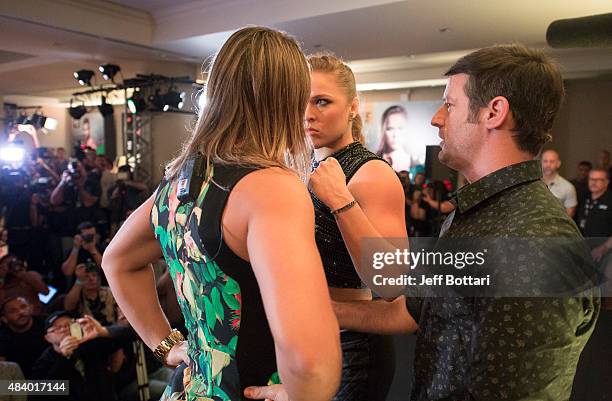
230, 345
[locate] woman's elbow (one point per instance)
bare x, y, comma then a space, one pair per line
318, 359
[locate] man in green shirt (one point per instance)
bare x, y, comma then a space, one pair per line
499, 106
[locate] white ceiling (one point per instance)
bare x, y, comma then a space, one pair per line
385, 41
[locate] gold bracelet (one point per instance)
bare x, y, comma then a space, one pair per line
161, 351
345, 207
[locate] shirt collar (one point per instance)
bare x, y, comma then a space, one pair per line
496, 182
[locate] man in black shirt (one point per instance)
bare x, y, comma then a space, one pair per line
595, 221
22, 336
85, 249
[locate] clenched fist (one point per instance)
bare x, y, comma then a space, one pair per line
328, 183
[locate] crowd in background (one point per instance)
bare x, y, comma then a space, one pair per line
59, 211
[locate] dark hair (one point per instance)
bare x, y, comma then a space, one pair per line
527, 78
586, 163
8, 299
85, 225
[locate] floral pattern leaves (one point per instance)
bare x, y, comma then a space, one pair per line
210, 300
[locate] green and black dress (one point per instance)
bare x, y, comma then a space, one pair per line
230, 345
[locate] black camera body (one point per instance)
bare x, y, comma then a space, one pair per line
73, 170
89, 238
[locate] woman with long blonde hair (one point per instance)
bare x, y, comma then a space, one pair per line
236, 226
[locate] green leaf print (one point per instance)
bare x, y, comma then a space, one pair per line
209, 311
216, 302
211, 270
231, 287
232, 345
230, 300
176, 266
220, 393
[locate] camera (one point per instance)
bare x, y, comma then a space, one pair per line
89, 238
73, 169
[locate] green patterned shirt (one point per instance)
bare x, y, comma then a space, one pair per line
505, 348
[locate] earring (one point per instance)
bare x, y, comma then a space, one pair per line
352, 117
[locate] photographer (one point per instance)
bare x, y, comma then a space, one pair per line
88, 296
79, 352
75, 198
126, 195
85, 249
16, 281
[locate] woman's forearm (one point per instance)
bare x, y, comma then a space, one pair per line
135, 294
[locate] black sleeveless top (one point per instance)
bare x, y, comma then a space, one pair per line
230, 345
337, 263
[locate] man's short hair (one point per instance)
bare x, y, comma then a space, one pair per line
85, 225
601, 170
586, 163
8, 299
527, 78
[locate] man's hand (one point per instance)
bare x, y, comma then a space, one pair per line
275, 392
91, 328
68, 345
77, 242
177, 354
328, 183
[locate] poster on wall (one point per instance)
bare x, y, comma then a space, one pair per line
89, 132
400, 132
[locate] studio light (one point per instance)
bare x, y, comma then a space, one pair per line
136, 104
105, 108
78, 111
109, 71
84, 76
157, 100
173, 99
12, 153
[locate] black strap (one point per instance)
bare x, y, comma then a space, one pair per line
225, 177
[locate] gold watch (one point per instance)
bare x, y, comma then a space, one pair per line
161, 351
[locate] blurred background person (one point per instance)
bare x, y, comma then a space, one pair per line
581, 183
17, 281
22, 335
563, 190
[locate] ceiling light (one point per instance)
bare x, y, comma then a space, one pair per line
78, 111
84, 76
109, 71
174, 99
136, 103
157, 100
105, 108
